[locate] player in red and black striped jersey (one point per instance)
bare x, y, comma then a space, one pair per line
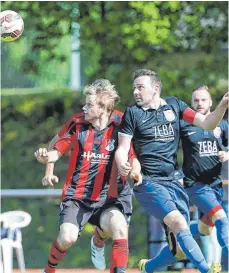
93, 191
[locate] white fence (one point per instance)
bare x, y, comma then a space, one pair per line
26, 193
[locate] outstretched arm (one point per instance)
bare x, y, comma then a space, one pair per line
211, 121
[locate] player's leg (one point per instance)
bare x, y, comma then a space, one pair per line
221, 223
68, 234
98, 241
158, 200
179, 224
225, 257
99, 238
209, 200
153, 198
113, 222
201, 227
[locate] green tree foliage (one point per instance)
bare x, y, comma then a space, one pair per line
181, 41
116, 36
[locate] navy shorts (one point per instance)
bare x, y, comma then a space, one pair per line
207, 199
161, 197
79, 212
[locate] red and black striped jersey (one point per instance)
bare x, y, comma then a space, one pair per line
92, 172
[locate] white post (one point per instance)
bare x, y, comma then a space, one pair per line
75, 81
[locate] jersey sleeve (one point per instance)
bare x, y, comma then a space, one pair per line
66, 140
65, 127
187, 113
127, 126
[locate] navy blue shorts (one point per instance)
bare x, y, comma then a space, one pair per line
79, 212
208, 200
161, 197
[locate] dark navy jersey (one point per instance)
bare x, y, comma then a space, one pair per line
156, 135
200, 149
92, 172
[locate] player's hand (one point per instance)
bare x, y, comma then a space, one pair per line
42, 155
48, 180
223, 156
224, 101
136, 177
125, 169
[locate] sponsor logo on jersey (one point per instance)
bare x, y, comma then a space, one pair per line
208, 148
169, 115
164, 132
217, 132
96, 158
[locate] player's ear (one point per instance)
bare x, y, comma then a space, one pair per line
210, 103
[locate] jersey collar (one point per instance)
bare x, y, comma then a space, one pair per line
162, 103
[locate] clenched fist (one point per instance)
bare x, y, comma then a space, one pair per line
136, 177
42, 155
223, 156
125, 169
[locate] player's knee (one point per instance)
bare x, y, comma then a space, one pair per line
176, 221
116, 224
175, 247
218, 215
66, 241
68, 235
119, 226
204, 229
179, 224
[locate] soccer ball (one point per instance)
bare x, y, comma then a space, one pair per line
12, 25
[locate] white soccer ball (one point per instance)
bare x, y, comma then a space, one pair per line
12, 25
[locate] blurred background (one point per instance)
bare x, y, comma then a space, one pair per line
66, 45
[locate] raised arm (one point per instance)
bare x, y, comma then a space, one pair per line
211, 121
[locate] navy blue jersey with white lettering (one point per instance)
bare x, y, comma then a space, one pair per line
156, 135
200, 148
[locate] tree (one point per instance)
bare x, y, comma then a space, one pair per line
118, 34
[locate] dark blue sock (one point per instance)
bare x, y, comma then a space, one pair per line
165, 257
192, 250
222, 233
194, 228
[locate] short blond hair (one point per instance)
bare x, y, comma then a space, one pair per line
106, 95
201, 87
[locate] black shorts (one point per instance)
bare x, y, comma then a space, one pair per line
79, 212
